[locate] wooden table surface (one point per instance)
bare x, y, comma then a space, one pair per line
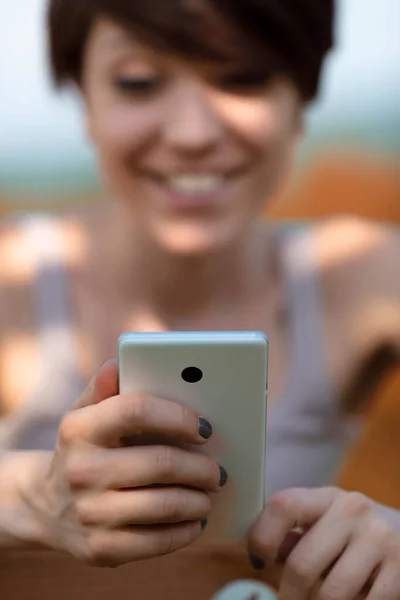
194, 574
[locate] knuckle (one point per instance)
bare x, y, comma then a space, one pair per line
85, 511
80, 472
212, 473
282, 503
174, 538
165, 463
331, 590
215, 473
262, 544
167, 542
134, 409
173, 506
206, 506
354, 504
68, 430
334, 493
188, 418
300, 571
377, 532
393, 547
101, 552
74, 474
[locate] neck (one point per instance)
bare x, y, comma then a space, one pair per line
178, 286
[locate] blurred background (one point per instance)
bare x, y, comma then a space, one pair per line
348, 162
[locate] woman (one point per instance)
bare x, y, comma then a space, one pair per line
195, 110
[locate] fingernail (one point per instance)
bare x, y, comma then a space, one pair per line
257, 563
205, 429
204, 524
224, 477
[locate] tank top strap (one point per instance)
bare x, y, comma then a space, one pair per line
306, 318
307, 434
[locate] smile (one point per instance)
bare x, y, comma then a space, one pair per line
195, 184
195, 190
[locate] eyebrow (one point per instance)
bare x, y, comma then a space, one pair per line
121, 41
115, 40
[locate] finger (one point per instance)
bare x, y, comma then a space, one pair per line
144, 466
289, 544
353, 570
285, 511
102, 386
143, 507
387, 584
107, 381
129, 415
115, 548
322, 546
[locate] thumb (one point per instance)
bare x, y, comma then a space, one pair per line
102, 386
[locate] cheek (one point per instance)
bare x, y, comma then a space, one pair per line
270, 129
274, 132
262, 124
120, 133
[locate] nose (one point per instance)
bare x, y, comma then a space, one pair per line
191, 123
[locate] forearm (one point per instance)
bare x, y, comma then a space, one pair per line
22, 476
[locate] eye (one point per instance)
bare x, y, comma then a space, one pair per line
139, 86
246, 81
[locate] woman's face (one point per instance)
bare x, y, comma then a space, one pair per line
193, 152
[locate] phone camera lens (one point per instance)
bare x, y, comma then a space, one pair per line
192, 375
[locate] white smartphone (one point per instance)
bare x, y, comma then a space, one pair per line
223, 376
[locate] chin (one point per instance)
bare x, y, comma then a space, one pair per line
194, 241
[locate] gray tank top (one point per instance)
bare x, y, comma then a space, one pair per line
307, 437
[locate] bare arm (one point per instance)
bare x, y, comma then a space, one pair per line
22, 475
359, 262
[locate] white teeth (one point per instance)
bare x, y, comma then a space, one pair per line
195, 185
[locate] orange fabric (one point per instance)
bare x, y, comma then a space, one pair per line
373, 465
338, 185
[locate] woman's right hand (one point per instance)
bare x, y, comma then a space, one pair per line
108, 504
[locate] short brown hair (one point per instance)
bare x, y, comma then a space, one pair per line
295, 34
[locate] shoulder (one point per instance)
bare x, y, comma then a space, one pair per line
28, 243
17, 323
16, 257
347, 250
359, 256
359, 265
350, 243
28, 240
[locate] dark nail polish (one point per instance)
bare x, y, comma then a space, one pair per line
205, 429
257, 563
204, 524
224, 477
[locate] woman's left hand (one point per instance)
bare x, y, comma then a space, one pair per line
333, 545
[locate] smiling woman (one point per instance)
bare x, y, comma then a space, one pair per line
195, 111
138, 81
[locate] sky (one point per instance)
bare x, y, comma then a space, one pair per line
41, 131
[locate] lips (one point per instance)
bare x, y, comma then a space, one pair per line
194, 184
195, 188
